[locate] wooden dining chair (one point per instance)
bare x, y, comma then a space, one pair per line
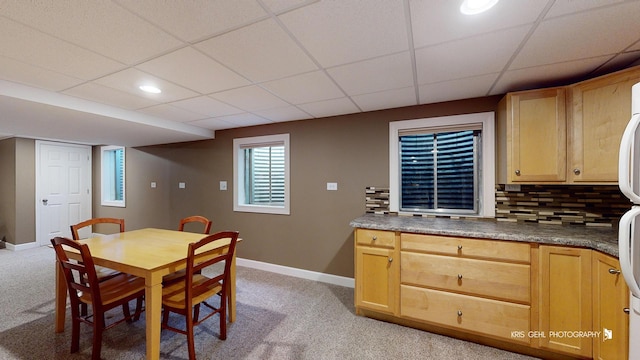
102, 296
186, 297
179, 275
196, 218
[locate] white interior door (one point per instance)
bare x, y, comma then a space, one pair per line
63, 188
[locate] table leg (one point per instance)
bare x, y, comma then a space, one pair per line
61, 299
232, 290
153, 310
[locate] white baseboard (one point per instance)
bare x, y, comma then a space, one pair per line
300, 273
19, 247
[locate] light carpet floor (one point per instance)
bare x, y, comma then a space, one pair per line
278, 317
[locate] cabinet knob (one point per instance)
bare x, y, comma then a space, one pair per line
460, 247
518, 172
390, 259
374, 238
459, 312
626, 311
614, 271
459, 276
576, 171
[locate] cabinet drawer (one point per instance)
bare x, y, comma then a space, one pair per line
482, 316
376, 238
455, 246
493, 279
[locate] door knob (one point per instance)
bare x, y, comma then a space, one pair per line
45, 201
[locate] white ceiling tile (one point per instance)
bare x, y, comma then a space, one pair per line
101, 26
546, 75
195, 20
260, 52
330, 107
24, 44
563, 7
212, 124
386, 99
250, 98
206, 105
110, 96
383, 73
620, 61
340, 32
168, 112
130, 80
284, 5
193, 70
610, 31
309, 87
438, 21
288, 113
456, 89
24, 73
467, 57
245, 119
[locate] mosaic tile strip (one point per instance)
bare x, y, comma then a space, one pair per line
377, 200
601, 205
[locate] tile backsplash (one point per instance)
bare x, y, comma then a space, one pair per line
593, 205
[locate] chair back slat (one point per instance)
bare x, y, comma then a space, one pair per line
197, 262
80, 275
196, 218
75, 228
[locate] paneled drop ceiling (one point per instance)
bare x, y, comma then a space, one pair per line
70, 69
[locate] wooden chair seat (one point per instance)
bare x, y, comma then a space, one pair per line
116, 288
173, 295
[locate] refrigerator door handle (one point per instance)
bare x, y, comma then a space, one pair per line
624, 160
625, 249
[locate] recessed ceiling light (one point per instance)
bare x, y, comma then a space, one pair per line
150, 89
472, 7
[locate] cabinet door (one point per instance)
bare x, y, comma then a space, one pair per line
538, 136
601, 110
376, 279
610, 298
565, 299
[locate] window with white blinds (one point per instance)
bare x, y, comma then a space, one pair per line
443, 165
113, 175
438, 171
261, 174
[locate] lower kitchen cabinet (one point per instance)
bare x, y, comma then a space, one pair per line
565, 299
543, 300
610, 300
376, 271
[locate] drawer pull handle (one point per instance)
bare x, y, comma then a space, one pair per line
459, 312
576, 171
374, 238
459, 276
614, 271
460, 247
518, 172
626, 311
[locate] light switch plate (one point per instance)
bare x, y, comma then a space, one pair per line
182, 185
223, 185
332, 186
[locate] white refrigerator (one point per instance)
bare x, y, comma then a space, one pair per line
629, 230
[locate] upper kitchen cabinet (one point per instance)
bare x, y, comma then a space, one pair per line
532, 137
565, 135
600, 110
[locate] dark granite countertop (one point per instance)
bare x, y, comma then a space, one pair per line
601, 239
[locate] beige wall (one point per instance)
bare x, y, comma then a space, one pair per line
17, 191
350, 150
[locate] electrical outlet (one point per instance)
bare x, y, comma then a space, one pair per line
153, 185
223, 185
182, 185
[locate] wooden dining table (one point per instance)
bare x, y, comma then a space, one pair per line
150, 254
